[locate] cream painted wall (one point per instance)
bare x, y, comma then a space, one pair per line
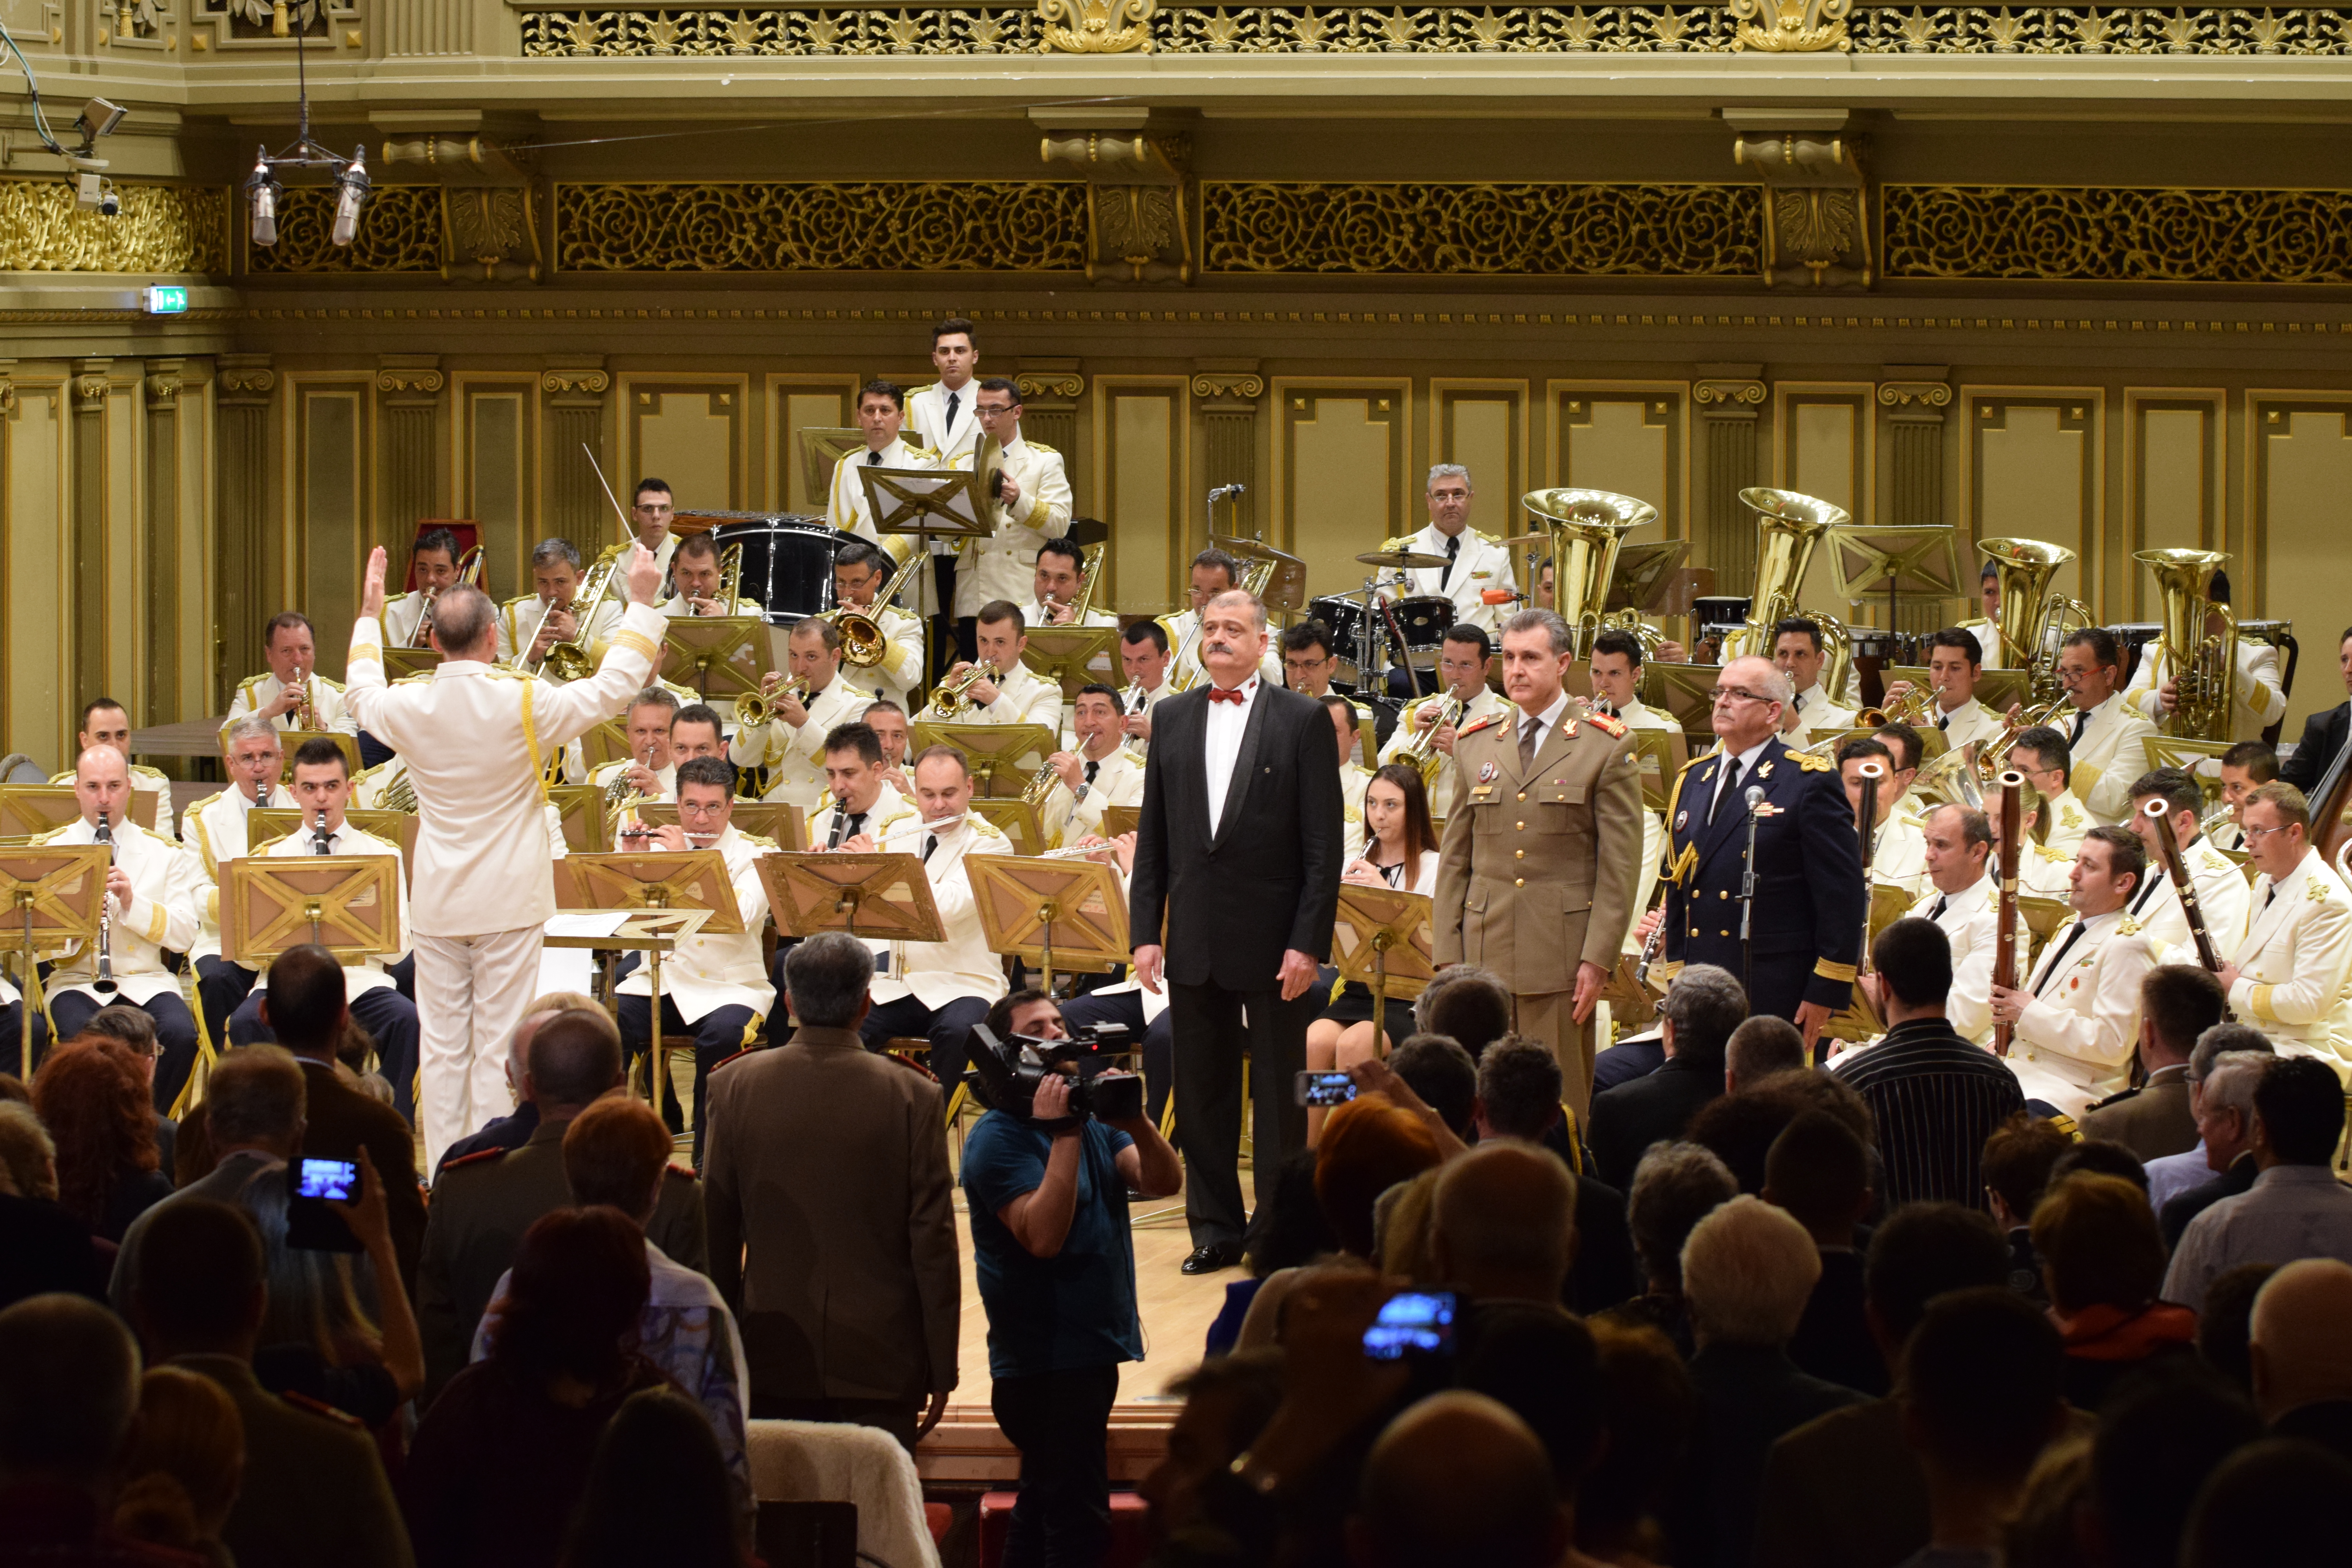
690, 438
1139, 485
1340, 463
1485, 441
35, 565
2031, 483
1617, 443
2306, 522
331, 522
2173, 481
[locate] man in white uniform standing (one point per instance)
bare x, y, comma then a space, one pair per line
1475, 563
483, 889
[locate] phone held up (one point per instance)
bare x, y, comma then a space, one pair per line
1324, 1088
314, 1186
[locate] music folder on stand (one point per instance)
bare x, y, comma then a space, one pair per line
1381, 937
1073, 656
1002, 758
49, 897
722, 657
1058, 914
885, 897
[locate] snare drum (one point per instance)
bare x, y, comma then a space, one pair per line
1425, 621
787, 564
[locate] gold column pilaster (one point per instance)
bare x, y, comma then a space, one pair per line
1227, 394
92, 386
1911, 405
576, 508
1730, 399
1050, 390
408, 405
250, 558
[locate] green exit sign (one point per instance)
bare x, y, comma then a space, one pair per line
163, 301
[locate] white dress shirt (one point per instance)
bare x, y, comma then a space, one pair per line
1221, 746
846, 506
1479, 562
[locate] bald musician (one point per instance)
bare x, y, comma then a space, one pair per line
477, 737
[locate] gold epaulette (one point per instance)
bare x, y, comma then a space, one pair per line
1039, 446
987, 829
2055, 857
1483, 537
2127, 927
2317, 889
915, 451
51, 835
1402, 541
518, 599
1807, 761
1488, 722
755, 838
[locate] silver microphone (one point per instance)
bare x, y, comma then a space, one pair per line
1754, 796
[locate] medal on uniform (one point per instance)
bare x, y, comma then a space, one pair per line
1682, 820
1485, 772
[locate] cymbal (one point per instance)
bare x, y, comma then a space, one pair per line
1518, 539
1250, 549
1400, 559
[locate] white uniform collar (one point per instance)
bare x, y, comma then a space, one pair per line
1015, 446
1969, 900
1812, 697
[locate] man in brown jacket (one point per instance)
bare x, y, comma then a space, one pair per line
832, 1214
1543, 849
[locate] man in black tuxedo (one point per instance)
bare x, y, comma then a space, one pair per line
1238, 851
2323, 733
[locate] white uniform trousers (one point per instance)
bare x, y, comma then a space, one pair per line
470, 994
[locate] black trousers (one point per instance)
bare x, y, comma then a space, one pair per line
19, 1055
387, 1016
221, 988
1127, 1008
949, 1029
175, 1032
717, 1035
1061, 1422
1212, 1029
373, 753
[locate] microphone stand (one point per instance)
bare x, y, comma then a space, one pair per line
1748, 889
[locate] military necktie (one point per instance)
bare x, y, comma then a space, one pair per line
1527, 734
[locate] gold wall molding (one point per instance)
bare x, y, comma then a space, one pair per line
878, 225
1904, 393
1050, 384
161, 229
2114, 235
575, 383
1792, 27
256, 381
410, 381
400, 230
1416, 228
1245, 385
1729, 393
1097, 26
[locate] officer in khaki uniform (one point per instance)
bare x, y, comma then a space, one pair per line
1535, 879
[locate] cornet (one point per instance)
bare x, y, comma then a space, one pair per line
952, 696
759, 706
306, 712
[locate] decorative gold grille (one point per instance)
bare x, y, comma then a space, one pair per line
878, 225
160, 228
2123, 236
400, 231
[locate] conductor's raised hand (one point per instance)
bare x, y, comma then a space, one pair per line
645, 575
1298, 973
372, 586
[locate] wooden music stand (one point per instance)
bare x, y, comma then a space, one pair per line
48, 898
929, 503
1381, 937
786, 824
345, 903
1643, 574
265, 824
720, 656
1118, 819
1660, 755
400, 663
605, 741
1004, 758
1856, 1022
885, 897
1067, 912
291, 741
26, 811
1073, 657
2201, 760
1625, 990
1912, 559
581, 808
669, 897
1685, 691
823, 446
1018, 818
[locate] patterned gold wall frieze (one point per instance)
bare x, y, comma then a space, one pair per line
1097, 26
1902, 393
1417, 228
400, 230
161, 229
2115, 234
878, 225
1749, 393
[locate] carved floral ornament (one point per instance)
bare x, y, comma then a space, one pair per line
1926, 393
413, 382
1241, 384
248, 381
1050, 384
1749, 393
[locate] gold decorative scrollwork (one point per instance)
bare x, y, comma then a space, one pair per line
1750, 393
878, 225
414, 382
1926, 393
1792, 27
246, 382
1095, 26
1243, 383
574, 383
1417, 228
160, 228
89, 393
2105, 234
400, 231
1050, 384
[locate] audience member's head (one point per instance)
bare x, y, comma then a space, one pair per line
1747, 1270
1761, 1048
1648, 1411
1913, 962
2017, 1161
255, 1099
2178, 1003
2224, 1104
656, 1492
1368, 1145
1981, 1383
2273, 1504
578, 1289
1702, 1007
1505, 1223
27, 1156
2225, 1323
200, 1286
134, 1027
1540, 1362
1288, 1229
93, 1098
186, 1463
1457, 1481
2045, 1528
542, 1007
1740, 1128
1228, 1400
2299, 1351
2221, 1037
2099, 1157
1437, 1069
2099, 1244
1518, 1090
1819, 1170
305, 1002
1922, 1251
1466, 1004
2158, 1440
2298, 1114
614, 1153
828, 977
68, 1393
1676, 1185
575, 1058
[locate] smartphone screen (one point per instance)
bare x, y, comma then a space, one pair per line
1416, 1321
335, 1179
1325, 1087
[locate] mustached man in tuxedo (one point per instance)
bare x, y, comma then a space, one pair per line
1239, 850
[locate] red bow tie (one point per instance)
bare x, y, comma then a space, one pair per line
1219, 694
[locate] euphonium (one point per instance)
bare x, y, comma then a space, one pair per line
1587, 528
569, 660
1789, 526
863, 644
2033, 621
2205, 664
951, 696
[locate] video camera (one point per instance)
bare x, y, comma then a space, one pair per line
1007, 1072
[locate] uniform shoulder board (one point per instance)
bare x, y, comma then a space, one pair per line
755, 838
2127, 927
329, 685
1606, 724
1488, 722
2116, 1099
986, 828
51, 835
2054, 856
518, 599
1040, 445
1808, 762
321, 1409
1131, 756
2318, 890
912, 1065
915, 451
1483, 537
479, 1157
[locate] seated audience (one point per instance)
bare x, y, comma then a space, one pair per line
1648, 1411
93, 1096
1457, 1481
1980, 1398
1443, 1076
501, 1459
513, 1130
2100, 1157
2102, 1265
2156, 1442
1675, 1187
1518, 1097
339, 1329
1937, 1098
2177, 1003
2018, 1160
1466, 1004
313, 1490
1748, 1269
658, 1491
1504, 1223
1228, 1400
68, 1408
1761, 1048
2169, 1175
183, 1469
2299, 1354
42, 1247
1702, 1007
1740, 1128
1819, 1171
2046, 1530
1369, 1144
2296, 1207
2225, 1125
2225, 1327
1538, 1360
2273, 1504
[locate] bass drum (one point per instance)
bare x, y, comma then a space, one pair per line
787, 562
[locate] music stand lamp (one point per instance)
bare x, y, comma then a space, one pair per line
1066, 913
722, 657
1381, 937
668, 897
49, 896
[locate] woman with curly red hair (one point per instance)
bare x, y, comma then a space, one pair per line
91, 1094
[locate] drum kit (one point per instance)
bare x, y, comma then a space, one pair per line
787, 560
1372, 633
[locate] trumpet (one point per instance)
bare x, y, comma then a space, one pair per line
1908, 708
759, 706
104, 984
620, 792
1041, 782
1420, 748
306, 712
469, 573
952, 696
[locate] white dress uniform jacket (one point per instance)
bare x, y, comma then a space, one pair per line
2108, 758
1821, 715
2222, 897
1023, 697
477, 739
1898, 854
258, 691
1034, 614
368, 973
926, 415
1480, 563
1487, 704
1119, 781
795, 758
1353, 781
888, 810
846, 506
677, 604
520, 619
2044, 871
401, 614
708, 973
159, 915
2069, 821
2291, 960
2261, 698
217, 832
1987, 637
1004, 564
900, 675
2074, 1041
157, 786
1971, 721
936, 973
1970, 922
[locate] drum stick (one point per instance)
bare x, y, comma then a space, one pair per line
626, 526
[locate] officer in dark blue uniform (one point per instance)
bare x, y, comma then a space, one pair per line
1805, 937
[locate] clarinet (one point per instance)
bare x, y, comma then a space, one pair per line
104, 984
840, 821
321, 840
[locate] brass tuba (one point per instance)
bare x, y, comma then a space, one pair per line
2204, 663
1788, 528
2034, 621
1585, 529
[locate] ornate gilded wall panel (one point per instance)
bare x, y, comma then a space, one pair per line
2065, 234
400, 230
2172, 479
1483, 426
1416, 228
690, 430
1625, 436
160, 228
1006, 225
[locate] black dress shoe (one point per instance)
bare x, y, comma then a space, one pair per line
1210, 1257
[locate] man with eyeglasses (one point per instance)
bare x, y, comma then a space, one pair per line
2102, 733
1804, 929
1309, 663
2287, 975
2042, 755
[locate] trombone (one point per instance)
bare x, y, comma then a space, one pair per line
469, 573
864, 643
568, 660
